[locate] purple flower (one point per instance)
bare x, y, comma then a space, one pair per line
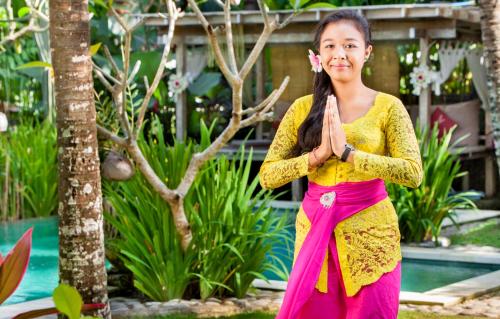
315, 62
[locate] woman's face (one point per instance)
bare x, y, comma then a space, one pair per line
342, 50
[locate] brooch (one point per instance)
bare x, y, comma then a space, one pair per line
327, 199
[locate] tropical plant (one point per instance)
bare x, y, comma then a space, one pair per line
119, 79
421, 211
147, 242
234, 229
13, 266
29, 179
12, 269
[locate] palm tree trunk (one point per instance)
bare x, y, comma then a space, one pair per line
81, 239
490, 31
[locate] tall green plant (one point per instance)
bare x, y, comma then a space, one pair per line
147, 242
421, 211
29, 186
233, 228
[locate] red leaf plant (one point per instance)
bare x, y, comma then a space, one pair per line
13, 266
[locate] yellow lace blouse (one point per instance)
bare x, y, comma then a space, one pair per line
386, 148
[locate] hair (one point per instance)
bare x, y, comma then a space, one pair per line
309, 134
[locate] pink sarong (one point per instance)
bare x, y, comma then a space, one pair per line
325, 207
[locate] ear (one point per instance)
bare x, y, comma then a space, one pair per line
368, 51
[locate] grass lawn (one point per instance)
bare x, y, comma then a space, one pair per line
484, 235
257, 315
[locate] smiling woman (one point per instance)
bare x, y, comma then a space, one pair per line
348, 139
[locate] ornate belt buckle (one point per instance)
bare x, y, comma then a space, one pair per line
327, 199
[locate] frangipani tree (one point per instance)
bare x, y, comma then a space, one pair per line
28, 21
121, 78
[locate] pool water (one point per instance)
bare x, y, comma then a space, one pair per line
42, 274
41, 277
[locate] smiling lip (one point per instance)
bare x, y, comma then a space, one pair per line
340, 66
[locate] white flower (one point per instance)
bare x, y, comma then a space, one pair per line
3, 122
177, 84
421, 77
327, 199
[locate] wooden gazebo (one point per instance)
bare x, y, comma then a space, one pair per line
391, 25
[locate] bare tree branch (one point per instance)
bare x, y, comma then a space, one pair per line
110, 77
287, 20
122, 22
213, 42
258, 116
261, 105
256, 51
136, 68
120, 98
229, 37
265, 16
100, 76
112, 62
31, 27
146, 84
10, 13
175, 198
103, 132
174, 15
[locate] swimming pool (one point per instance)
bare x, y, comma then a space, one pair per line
41, 277
42, 274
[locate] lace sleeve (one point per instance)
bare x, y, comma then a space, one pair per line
278, 169
403, 165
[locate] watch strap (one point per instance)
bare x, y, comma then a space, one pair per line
345, 154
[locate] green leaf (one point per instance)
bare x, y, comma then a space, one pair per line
150, 61
68, 301
34, 64
204, 83
319, 5
94, 48
101, 3
23, 11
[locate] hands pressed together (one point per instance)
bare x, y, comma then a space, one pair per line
333, 139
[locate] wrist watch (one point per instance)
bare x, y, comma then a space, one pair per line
348, 149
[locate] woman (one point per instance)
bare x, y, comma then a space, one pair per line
348, 139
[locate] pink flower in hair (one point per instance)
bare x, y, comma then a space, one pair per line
315, 62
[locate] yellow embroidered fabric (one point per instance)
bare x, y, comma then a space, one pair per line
386, 148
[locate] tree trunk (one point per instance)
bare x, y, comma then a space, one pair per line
81, 239
490, 32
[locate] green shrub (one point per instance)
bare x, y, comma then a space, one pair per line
30, 184
421, 211
233, 229
148, 243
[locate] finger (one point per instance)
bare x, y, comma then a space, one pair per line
335, 110
333, 120
325, 113
332, 111
331, 124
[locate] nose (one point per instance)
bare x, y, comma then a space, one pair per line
339, 53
